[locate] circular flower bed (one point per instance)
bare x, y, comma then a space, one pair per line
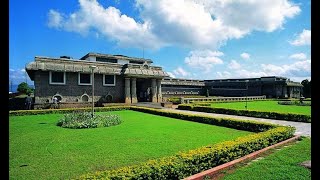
80, 120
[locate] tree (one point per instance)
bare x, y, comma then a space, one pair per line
306, 88
24, 88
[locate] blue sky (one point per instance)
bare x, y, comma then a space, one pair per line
193, 39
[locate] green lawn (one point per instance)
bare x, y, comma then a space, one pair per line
282, 164
38, 149
270, 106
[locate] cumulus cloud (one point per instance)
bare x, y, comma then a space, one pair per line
297, 70
54, 19
197, 24
304, 38
180, 72
171, 74
18, 75
109, 22
245, 56
234, 65
203, 59
298, 56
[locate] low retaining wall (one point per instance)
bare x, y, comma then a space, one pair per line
214, 99
63, 105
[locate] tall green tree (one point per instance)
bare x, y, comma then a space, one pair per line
306, 88
24, 88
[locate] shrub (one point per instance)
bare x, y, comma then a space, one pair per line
226, 122
252, 113
24, 88
295, 103
185, 164
67, 110
81, 119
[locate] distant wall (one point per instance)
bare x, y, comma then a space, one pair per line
72, 92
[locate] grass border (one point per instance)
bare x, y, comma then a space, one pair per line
250, 113
184, 164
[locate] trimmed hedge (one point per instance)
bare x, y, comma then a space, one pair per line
226, 122
63, 111
81, 120
185, 164
295, 103
252, 113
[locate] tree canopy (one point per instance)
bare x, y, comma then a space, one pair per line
24, 88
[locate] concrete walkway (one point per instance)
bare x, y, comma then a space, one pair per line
303, 129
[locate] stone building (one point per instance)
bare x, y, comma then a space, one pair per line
270, 86
122, 79
117, 79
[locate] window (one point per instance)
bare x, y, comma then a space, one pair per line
84, 79
109, 80
84, 98
57, 78
110, 60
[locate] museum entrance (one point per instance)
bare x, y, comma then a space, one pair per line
144, 90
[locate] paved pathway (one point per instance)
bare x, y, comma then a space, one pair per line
303, 129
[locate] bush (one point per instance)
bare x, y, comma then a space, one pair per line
295, 103
225, 122
81, 119
252, 113
63, 111
24, 88
185, 164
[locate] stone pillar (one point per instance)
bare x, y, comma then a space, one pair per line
159, 91
127, 91
153, 90
133, 90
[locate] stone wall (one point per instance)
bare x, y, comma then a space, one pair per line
72, 92
167, 91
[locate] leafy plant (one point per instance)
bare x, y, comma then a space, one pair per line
80, 120
251, 113
24, 88
295, 103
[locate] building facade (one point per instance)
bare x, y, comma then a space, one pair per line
116, 79
122, 79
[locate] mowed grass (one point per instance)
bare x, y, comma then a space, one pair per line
269, 106
282, 164
38, 149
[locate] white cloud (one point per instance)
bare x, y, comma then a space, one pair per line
109, 22
197, 24
297, 70
203, 59
224, 75
54, 19
18, 75
245, 56
304, 38
234, 65
171, 74
298, 56
180, 72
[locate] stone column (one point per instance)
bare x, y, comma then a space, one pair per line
153, 90
159, 91
127, 91
133, 91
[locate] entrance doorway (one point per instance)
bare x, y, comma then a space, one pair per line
143, 90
